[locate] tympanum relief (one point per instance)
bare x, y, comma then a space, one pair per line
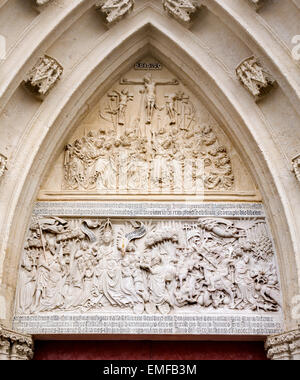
148, 135
43, 76
158, 147
148, 266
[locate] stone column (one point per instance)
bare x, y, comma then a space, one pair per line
285, 346
15, 346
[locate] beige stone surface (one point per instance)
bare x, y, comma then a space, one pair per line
265, 136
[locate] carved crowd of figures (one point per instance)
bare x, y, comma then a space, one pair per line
167, 152
82, 265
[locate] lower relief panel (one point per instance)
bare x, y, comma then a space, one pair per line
190, 270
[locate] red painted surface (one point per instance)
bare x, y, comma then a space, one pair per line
146, 350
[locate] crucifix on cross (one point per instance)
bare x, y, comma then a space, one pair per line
150, 92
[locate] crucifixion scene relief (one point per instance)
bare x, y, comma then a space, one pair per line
149, 135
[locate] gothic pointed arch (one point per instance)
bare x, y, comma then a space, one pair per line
63, 118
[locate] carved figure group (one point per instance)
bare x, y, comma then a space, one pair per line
77, 265
176, 156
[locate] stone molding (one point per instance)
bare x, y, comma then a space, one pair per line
285, 346
15, 346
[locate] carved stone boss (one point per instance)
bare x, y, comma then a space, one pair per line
43, 76
284, 346
114, 9
42, 2
15, 346
182, 10
255, 78
3, 163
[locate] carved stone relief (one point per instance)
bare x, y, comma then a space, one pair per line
15, 346
152, 145
296, 167
41, 2
114, 9
182, 10
43, 76
257, 3
284, 346
255, 78
148, 266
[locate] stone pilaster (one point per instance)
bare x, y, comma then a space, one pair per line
15, 346
285, 346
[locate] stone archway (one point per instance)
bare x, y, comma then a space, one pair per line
151, 31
